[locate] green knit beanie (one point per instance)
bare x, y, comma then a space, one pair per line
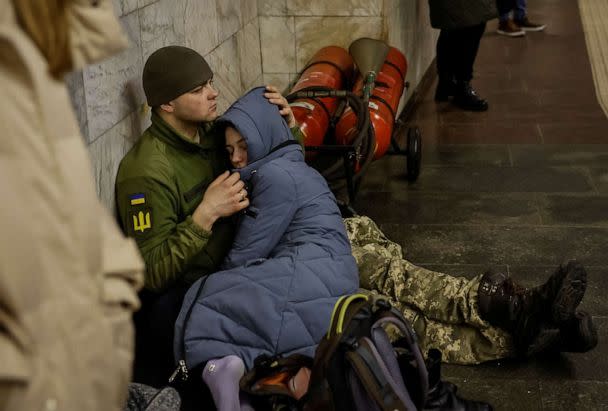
172, 71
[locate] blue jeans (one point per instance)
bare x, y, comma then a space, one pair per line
519, 11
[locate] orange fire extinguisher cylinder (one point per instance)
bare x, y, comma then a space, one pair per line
383, 103
331, 67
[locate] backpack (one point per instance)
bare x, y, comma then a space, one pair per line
356, 367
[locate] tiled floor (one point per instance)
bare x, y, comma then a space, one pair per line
519, 188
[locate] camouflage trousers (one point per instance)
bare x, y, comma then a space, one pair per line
441, 308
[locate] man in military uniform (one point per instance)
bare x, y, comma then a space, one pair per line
471, 321
174, 195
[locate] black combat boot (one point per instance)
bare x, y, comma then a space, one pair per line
578, 334
467, 99
534, 315
442, 394
446, 87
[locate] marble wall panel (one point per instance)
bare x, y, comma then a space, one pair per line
249, 11
277, 36
279, 80
389, 5
312, 33
258, 82
391, 30
123, 7
401, 22
112, 88
224, 62
201, 25
162, 24
268, 8
228, 18
425, 41
408, 28
250, 58
106, 153
334, 8
144, 3
75, 84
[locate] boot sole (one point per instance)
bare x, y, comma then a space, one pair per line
511, 33
587, 333
570, 294
545, 341
534, 29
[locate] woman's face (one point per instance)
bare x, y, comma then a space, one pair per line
236, 147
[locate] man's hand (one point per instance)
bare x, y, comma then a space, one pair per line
225, 196
275, 97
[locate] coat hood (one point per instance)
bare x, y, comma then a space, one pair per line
259, 122
95, 32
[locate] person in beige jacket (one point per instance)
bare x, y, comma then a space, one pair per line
68, 278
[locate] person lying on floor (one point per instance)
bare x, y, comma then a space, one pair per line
485, 318
290, 261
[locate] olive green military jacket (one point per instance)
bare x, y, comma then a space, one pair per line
160, 182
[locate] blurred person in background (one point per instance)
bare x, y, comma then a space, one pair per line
462, 23
68, 277
520, 23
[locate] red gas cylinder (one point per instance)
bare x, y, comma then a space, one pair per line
331, 67
383, 103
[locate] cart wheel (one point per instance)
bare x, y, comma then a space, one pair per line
414, 153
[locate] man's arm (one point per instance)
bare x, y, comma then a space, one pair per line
149, 212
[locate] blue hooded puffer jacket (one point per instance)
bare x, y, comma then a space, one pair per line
290, 261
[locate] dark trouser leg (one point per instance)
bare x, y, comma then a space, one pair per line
154, 325
445, 66
520, 10
154, 362
467, 40
466, 43
504, 8
444, 58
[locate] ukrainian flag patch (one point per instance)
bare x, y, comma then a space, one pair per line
137, 199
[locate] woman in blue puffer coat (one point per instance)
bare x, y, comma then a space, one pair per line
290, 262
